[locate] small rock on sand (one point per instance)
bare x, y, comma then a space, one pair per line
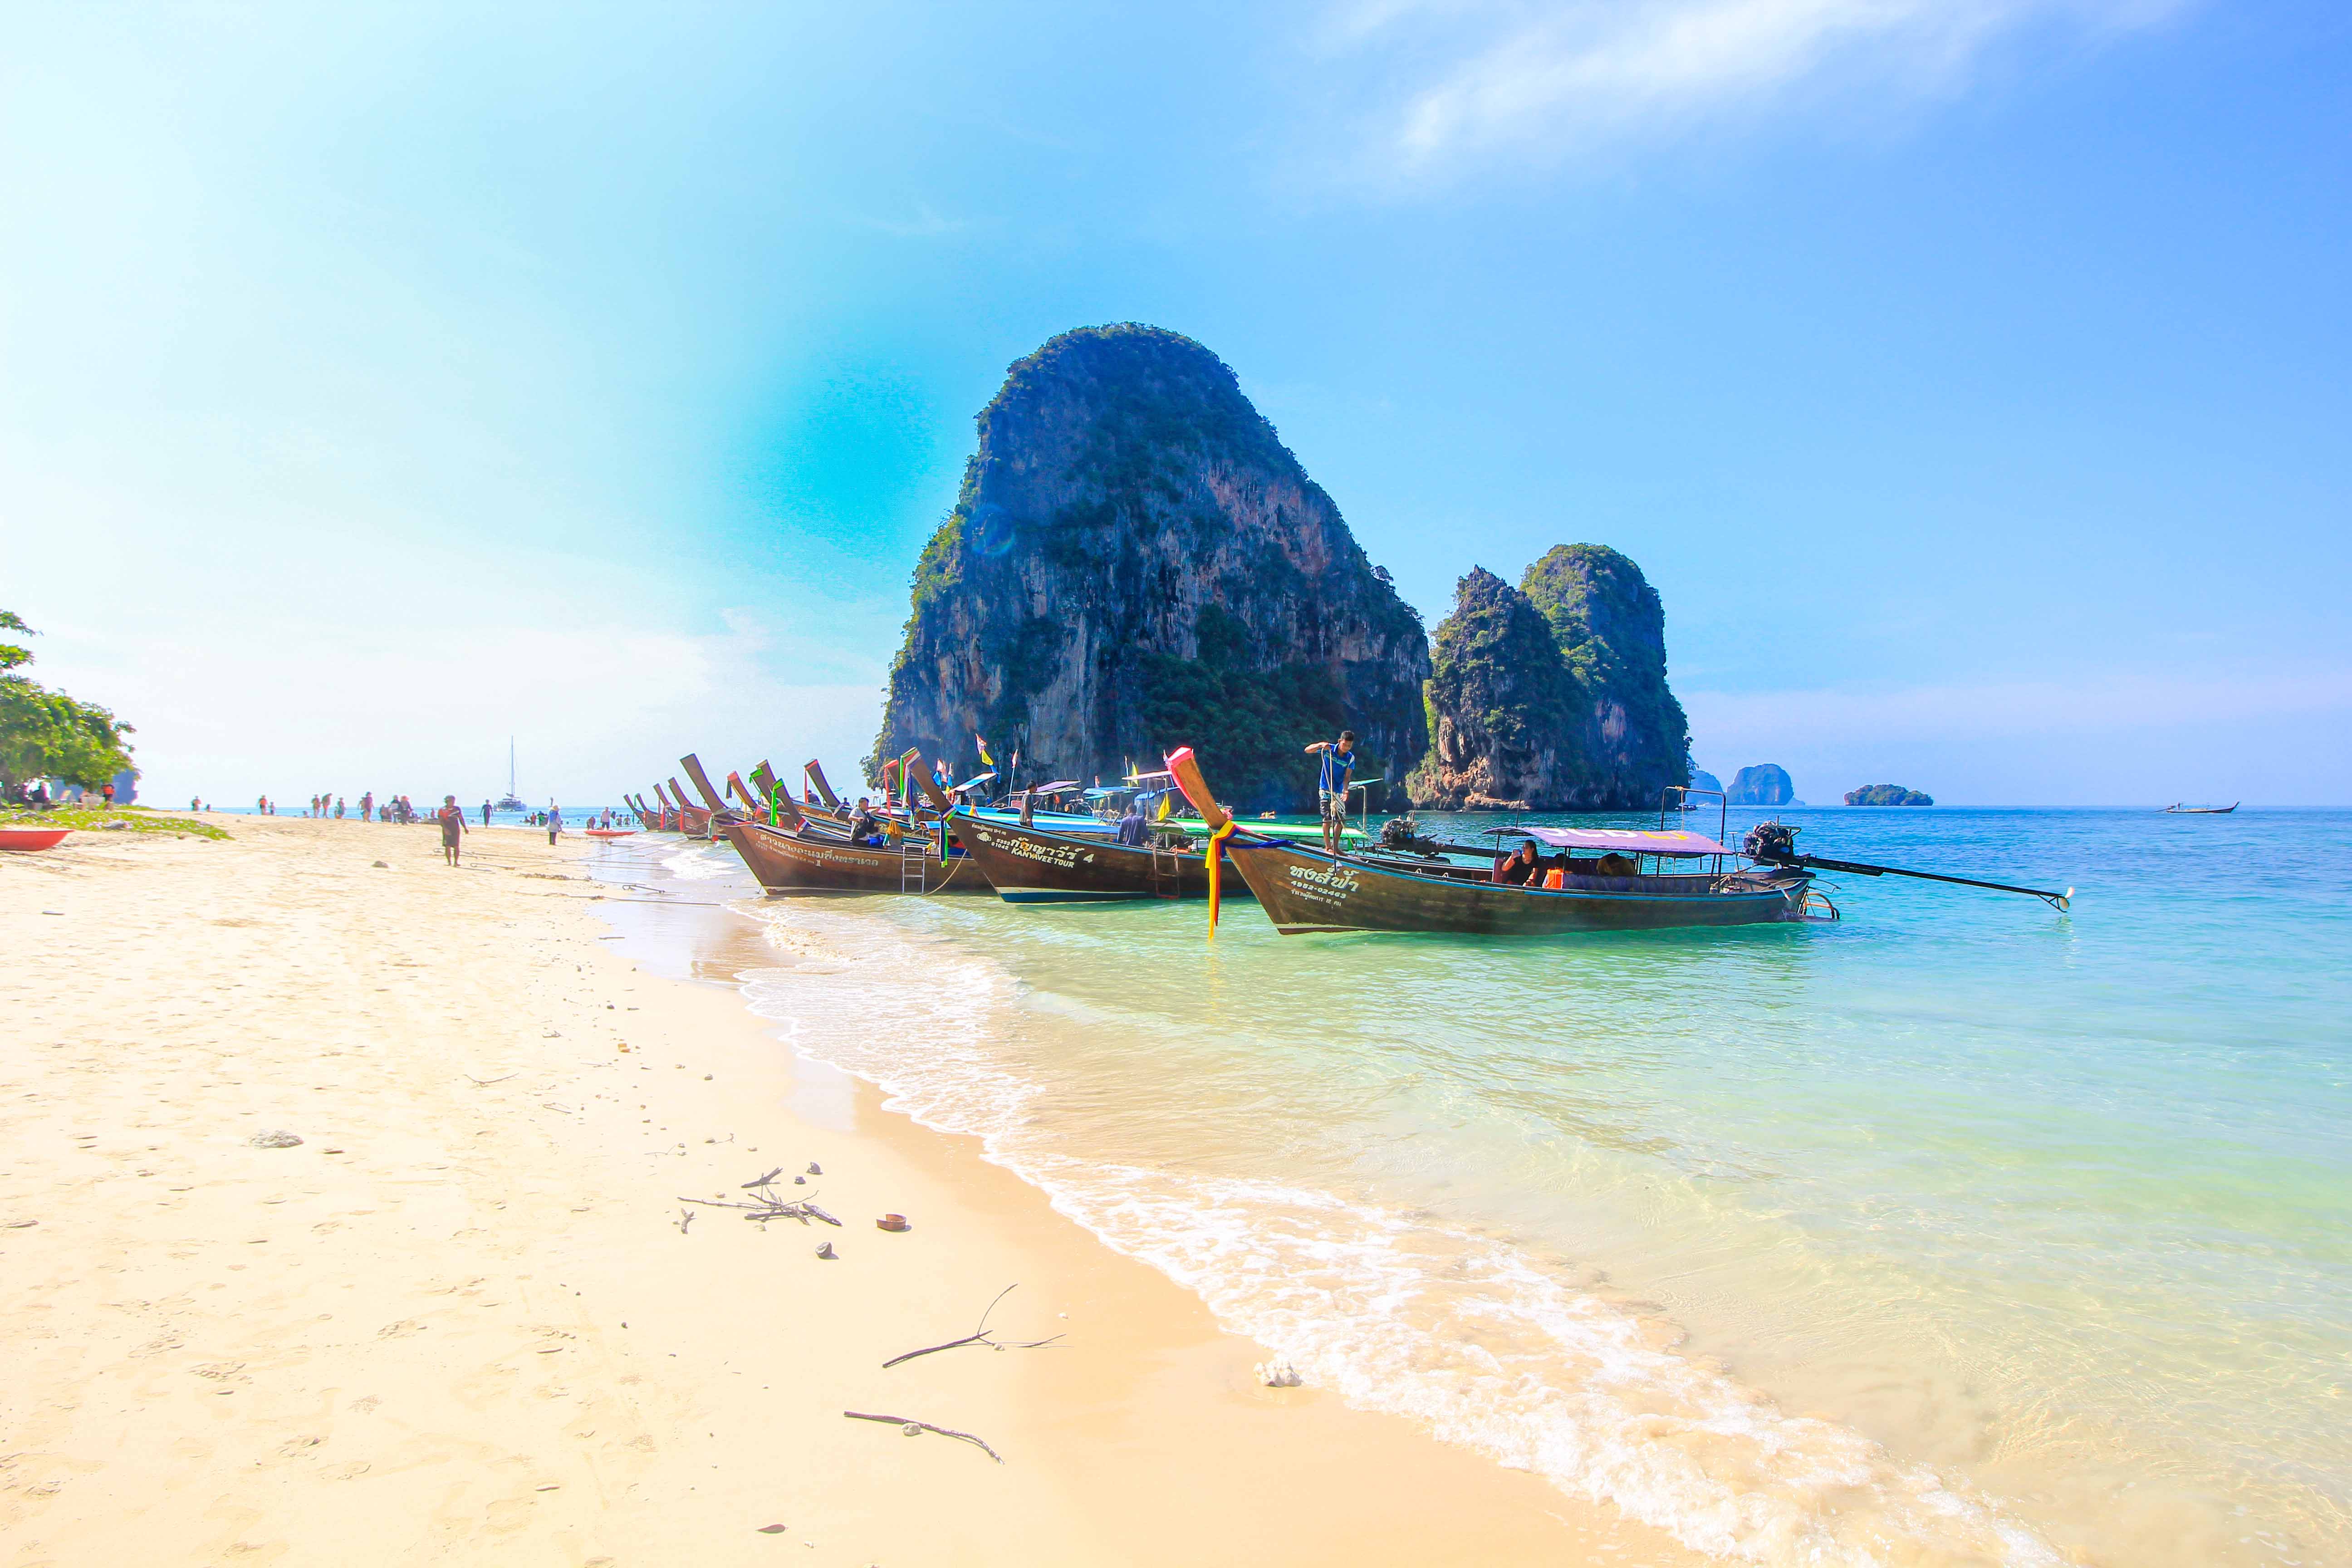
275, 1141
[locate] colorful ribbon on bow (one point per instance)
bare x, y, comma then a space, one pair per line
1216, 854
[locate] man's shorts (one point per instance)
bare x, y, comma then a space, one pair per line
1335, 805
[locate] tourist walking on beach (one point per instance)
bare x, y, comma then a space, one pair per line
339, 808
555, 821
453, 824
485, 814
1339, 767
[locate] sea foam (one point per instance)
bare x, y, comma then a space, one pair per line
1484, 1345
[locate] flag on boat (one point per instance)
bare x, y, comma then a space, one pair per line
985, 759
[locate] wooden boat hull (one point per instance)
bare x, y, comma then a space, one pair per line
694, 822
1034, 865
1305, 889
789, 863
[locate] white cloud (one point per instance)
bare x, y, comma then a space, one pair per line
1551, 77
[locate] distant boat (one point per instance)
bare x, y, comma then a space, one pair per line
2178, 809
512, 801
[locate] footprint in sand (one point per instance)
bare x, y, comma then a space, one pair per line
349, 1470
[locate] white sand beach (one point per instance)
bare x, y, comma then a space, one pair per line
464, 1321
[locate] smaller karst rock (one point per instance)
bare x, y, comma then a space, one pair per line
1766, 783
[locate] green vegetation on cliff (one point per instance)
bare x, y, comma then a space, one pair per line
1553, 695
1136, 561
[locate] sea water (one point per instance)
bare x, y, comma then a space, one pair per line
1958, 1230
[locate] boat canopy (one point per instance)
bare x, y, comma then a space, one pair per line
974, 781
1621, 840
1056, 787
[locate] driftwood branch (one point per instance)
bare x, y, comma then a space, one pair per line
767, 1204
979, 1336
912, 1426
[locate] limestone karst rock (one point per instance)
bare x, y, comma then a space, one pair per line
1766, 783
1136, 563
1552, 696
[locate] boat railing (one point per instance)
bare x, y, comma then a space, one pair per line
1676, 798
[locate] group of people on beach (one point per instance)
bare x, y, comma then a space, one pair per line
397, 808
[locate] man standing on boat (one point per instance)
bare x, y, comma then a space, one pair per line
1339, 767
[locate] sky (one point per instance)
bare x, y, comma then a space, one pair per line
378, 384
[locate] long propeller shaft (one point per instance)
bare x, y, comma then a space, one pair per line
1862, 869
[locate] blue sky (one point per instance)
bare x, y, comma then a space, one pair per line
1967, 374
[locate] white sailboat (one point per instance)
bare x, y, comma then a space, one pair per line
512, 801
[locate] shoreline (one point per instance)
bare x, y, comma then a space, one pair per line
430, 1361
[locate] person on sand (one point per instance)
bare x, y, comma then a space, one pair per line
109, 797
1339, 767
554, 823
453, 824
485, 814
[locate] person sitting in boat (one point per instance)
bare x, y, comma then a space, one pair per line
1519, 867
861, 823
1615, 864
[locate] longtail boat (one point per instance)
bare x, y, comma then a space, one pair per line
789, 862
2179, 808
1601, 880
743, 792
1033, 864
710, 796
692, 820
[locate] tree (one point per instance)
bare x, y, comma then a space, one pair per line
48, 734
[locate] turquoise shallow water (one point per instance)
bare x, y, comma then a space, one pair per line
1956, 1231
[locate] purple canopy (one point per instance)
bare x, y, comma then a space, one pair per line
1622, 840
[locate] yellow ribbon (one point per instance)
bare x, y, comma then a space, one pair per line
1216, 842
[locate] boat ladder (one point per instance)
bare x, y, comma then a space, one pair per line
910, 865
1167, 870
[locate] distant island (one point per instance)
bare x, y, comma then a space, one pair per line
1766, 783
1887, 794
1701, 779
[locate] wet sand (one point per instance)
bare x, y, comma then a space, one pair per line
464, 1319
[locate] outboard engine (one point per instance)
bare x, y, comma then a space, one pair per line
1397, 834
1772, 842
